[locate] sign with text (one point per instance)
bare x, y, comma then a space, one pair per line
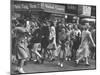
93, 10
72, 9
50, 7
21, 6
84, 10
87, 10
26, 6
34, 5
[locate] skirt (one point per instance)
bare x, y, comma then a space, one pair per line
57, 51
67, 51
51, 46
37, 47
61, 54
83, 50
21, 53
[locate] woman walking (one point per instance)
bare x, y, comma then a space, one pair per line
21, 48
83, 51
62, 41
52, 42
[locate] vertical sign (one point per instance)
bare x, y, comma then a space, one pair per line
72, 9
87, 10
84, 10
93, 11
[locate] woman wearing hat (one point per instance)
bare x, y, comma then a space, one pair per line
83, 51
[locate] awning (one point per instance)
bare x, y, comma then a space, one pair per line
89, 19
83, 16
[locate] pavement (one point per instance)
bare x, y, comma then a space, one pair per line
31, 67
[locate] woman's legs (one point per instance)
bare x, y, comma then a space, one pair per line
61, 58
87, 62
20, 65
77, 61
36, 49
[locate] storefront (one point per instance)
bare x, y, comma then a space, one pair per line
26, 9
56, 12
71, 13
86, 14
39, 10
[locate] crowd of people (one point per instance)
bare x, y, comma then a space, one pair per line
51, 41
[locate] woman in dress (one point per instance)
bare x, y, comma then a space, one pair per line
83, 51
21, 48
52, 43
62, 41
67, 47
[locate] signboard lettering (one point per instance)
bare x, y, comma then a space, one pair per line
87, 10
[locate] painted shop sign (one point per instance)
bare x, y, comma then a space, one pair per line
84, 10
49, 7
21, 6
34, 5
60, 8
52, 7
87, 10
72, 9
27, 6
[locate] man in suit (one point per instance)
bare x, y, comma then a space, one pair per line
44, 37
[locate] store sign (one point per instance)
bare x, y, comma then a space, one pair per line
48, 6
24, 6
84, 10
72, 9
53, 7
80, 9
93, 11
35, 5
60, 8
17, 6
21, 6
87, 10
27, 6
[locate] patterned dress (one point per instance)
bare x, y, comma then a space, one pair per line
52, 38
62, 39
67, 45
84, 46
21, 47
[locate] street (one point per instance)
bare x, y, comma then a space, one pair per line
46, 31
30, 67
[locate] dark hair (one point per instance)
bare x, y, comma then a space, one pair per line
58, 23
51, 23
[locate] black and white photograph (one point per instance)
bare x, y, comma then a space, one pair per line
51, 37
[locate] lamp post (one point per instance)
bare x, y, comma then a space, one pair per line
66, 16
